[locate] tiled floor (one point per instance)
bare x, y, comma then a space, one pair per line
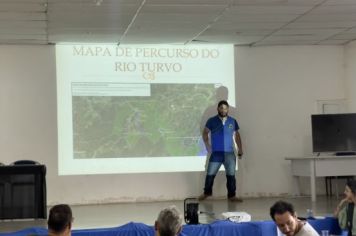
110, 215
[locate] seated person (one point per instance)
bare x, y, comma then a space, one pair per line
345, 210
169, 222
285, 217
60, 220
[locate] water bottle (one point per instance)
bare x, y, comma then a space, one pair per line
310, 214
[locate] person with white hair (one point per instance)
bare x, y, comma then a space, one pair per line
169, 222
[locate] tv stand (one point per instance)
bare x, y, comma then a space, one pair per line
345, 153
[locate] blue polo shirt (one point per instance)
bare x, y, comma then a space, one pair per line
221, 135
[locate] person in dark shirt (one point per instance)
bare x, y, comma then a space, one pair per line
60, 220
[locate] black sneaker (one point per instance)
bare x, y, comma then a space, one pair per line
235, 199
203, 197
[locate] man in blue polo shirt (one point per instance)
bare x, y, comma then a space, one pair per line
224, 133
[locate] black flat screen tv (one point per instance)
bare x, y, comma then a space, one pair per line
334, 133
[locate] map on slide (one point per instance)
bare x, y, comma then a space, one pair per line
166, 123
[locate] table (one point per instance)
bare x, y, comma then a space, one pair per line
217, 228
321, 166
23, 192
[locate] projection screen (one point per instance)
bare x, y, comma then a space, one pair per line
137, 108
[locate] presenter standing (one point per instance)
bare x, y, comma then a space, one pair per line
223, 131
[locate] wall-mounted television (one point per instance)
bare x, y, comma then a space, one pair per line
334, 133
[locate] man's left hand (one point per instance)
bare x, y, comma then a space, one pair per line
240, 153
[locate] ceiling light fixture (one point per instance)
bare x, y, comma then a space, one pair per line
98, 2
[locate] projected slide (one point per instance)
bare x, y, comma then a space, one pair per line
114, 127
137, 108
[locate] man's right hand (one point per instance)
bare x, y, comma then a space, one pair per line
208, 149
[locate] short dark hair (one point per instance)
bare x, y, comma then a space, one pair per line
351, 183
223, 102
60, 217
281, 207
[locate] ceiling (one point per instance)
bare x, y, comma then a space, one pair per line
240, 22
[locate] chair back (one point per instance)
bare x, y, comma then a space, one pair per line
25, 162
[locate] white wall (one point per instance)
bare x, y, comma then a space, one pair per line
277, 89
350, 68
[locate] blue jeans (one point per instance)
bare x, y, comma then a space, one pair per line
228, 159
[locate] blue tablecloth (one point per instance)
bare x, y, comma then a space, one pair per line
217, 228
